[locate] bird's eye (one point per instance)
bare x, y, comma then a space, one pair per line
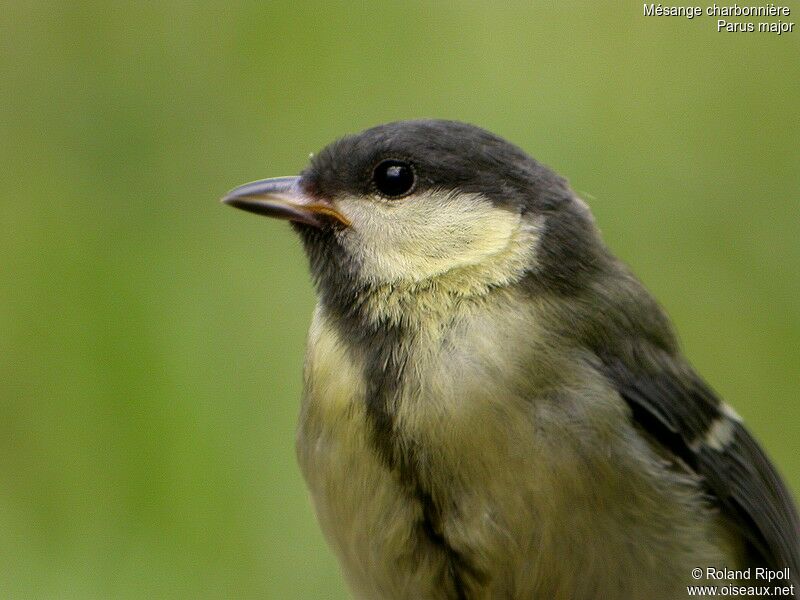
394, 178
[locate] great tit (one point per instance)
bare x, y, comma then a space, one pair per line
494, 406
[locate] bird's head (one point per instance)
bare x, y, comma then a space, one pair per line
415, 206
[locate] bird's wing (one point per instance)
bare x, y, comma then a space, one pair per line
681, 412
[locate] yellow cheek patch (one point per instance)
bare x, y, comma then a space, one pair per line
425, 252
423, 236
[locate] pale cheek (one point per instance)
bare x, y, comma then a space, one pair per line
423, 237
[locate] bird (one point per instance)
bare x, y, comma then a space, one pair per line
494, 406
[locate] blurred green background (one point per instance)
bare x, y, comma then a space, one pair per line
151, 340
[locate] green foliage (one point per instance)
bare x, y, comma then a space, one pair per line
151, 340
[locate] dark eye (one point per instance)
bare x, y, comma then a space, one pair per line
394, 178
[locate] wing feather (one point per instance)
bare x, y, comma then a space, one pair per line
679, 411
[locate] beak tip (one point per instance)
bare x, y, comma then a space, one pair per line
236, 201
245, 204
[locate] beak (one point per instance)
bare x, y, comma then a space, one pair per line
282, 198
